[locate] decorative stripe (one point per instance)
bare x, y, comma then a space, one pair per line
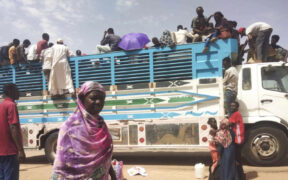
127, 102
139, 116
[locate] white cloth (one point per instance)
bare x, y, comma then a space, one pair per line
60, 76
230, 80
253, 29
32, 53
181, 36
46, 58
102, 49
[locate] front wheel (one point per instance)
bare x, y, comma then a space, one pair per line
50, 147
265, 146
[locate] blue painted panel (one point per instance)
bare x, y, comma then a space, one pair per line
130, 116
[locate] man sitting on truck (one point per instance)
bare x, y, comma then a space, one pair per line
237, 125
181, 35
200, 25
276, 52
111, 39
230, 83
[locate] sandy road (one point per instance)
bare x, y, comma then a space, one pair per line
165, 167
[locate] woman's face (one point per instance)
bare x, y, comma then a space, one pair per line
94, 102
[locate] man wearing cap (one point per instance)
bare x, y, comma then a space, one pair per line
60, 81
261, 32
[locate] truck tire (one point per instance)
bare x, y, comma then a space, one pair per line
50, 147
265, 146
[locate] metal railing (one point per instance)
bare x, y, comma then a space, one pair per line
131, 67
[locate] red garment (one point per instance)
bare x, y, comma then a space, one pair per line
238, 127
8, 116
215, 159
224, 34
40, 46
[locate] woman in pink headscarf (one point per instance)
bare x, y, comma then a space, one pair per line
226, 149
84, 147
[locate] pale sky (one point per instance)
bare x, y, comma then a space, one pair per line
81, 23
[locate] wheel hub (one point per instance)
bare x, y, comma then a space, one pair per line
266, 146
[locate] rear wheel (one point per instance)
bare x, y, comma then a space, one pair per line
265, 146
50, 147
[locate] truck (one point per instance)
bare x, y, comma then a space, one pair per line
159, 100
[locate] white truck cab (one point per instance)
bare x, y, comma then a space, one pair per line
263, 96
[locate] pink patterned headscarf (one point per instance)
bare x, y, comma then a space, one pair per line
84, 148
223, 136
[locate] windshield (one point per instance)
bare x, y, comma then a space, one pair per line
275, 78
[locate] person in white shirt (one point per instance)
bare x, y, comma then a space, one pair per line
180, 37
261, 32
32, 53
60, 81
46, 58
230, 83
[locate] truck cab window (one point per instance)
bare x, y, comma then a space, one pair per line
246, 79
275, 78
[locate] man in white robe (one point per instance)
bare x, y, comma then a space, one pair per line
60, 76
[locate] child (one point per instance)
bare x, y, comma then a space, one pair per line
212, 142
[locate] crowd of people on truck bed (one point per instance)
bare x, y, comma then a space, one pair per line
94, 142
55, 58
258, 36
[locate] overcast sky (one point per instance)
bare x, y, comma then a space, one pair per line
80, 23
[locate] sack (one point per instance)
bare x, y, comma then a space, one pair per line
118, 168
215, 175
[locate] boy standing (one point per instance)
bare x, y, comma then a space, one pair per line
11, 146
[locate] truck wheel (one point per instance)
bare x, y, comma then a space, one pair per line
265, 146
50, 147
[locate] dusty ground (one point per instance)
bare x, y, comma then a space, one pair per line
170, 167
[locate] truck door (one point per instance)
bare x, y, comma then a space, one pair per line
273, 91
248, 91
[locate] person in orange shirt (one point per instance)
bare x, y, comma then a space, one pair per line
212, 142
13, 53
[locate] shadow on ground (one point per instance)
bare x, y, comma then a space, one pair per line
39, 159
154, 159
165, 158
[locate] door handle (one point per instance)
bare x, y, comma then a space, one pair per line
266, 100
